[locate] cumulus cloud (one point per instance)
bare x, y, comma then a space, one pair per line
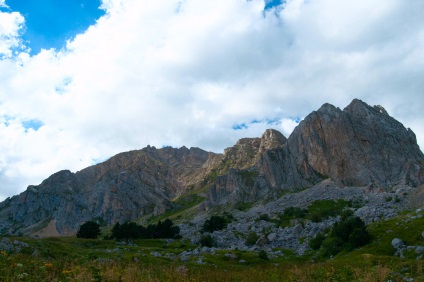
188, 72
10, 26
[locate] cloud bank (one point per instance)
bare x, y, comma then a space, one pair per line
199, 73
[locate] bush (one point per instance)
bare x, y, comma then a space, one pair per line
264, 217
289, 214
263, 255
251, 239
131, 230
294, 212
347, 234
89, 230
206, 241
315, 243
215, 223
322, 209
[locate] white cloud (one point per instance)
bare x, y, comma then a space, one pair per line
185, 72
10, 26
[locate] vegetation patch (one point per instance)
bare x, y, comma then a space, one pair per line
132, 231
323, 209
346, 235
248, 177
215, 223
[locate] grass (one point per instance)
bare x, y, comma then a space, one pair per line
184, 207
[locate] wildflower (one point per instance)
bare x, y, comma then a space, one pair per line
48, 265
19, 265
3, 253
66, 271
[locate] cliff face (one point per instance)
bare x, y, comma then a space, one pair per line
358, 146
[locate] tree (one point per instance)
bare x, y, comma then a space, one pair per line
347, 234
166, 230
89, 230
214, 223
252, 238
131, 231
207, 241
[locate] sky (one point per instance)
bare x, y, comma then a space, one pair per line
83, 80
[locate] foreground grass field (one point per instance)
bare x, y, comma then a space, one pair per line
72, 259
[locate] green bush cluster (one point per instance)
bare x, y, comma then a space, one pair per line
131, 230
323, 209
289, 214
347, 234
316, 212
264, 217
216, 222
252, 238
89, 230
207, 241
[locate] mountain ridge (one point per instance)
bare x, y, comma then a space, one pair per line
360, 145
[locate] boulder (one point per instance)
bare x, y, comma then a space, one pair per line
397, 243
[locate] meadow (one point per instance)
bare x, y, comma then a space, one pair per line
73, 259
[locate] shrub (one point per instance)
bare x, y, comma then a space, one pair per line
206, 241
242, 206
214, 223
263, 255
347, 234
289, 214
251, 239
294, 212
131, 230
264, 217
315, 243
89, 230
322, 209
166, 230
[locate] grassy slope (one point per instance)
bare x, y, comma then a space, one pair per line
71, 259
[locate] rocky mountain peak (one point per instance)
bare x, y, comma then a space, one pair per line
272, 139
360, 145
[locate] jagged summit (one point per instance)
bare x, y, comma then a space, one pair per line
272, 139
360, 145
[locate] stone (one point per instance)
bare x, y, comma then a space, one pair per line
397, 243
419, 250
262, 241
272, 237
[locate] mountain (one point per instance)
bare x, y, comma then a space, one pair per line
358, 146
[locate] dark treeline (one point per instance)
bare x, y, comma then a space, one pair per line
131, 231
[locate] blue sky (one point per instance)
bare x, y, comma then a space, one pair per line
191, 73
50, 23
